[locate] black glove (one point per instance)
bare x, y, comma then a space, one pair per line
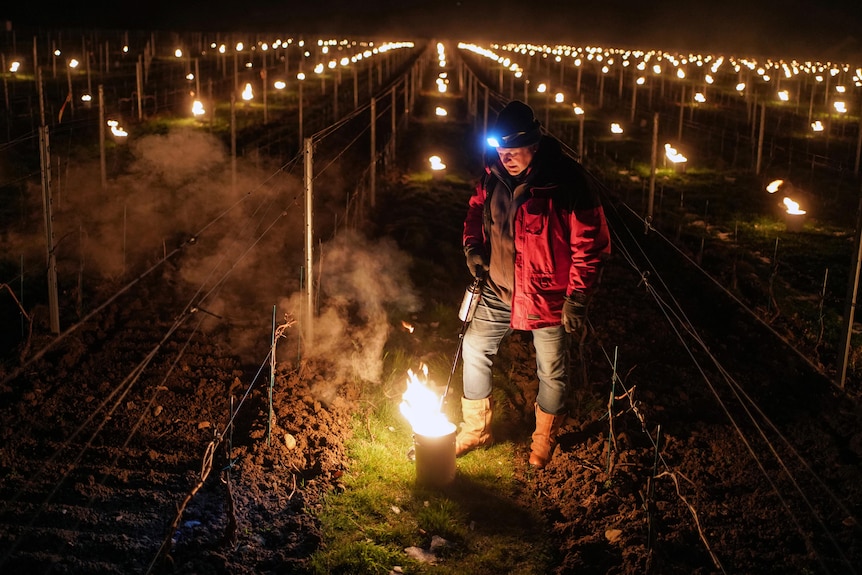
476, 261
574, 312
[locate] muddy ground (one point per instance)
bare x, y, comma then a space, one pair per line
725, 452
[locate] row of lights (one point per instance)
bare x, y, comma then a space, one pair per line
698, 97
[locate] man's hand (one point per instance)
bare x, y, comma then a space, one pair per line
476, 261
574, 312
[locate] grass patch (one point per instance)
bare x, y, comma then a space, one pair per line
488, 525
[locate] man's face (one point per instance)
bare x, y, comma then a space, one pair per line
516, 160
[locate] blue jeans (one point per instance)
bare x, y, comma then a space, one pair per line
482, 340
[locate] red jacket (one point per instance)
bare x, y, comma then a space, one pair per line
560, 233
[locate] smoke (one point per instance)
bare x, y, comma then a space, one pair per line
241, 251
240, 238
363, 283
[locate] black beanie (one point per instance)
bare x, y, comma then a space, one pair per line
516, 126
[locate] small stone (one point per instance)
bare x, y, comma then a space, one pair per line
612, 535
437, 543
289, 441
421, 555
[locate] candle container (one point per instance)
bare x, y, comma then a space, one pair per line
794, 222
435, 459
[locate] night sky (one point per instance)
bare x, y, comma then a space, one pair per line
789, 28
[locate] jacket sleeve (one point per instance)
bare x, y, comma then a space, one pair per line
474, 223
591, 246
589, 236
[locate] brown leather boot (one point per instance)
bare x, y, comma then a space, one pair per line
476, 429
545, 437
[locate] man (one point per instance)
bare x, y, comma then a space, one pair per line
536, 232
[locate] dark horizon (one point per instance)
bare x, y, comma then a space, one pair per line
791, 29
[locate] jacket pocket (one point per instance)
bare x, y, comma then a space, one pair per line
535, 216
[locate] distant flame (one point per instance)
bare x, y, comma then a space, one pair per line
248, 92
421, 406
407, 326
673, 155
793, 207
774, 185
436, 163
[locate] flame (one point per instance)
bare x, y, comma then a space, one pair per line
420, 405
407, 326
116, 129
673, 155
774, 185
248, 92
793, 207
437, 163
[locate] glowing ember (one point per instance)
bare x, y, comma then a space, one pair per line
421, 406
793, 207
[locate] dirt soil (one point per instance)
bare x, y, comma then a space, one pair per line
725, 451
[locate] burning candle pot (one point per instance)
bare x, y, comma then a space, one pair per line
794, 217
433, 434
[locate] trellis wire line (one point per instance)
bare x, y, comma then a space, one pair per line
734, 298
134, 375
663, 306
737, 390
607, 198
60, 337
15, 373
758, 459
340, 154
660, 457
123, 389
145, 412
206, 465
324, 132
